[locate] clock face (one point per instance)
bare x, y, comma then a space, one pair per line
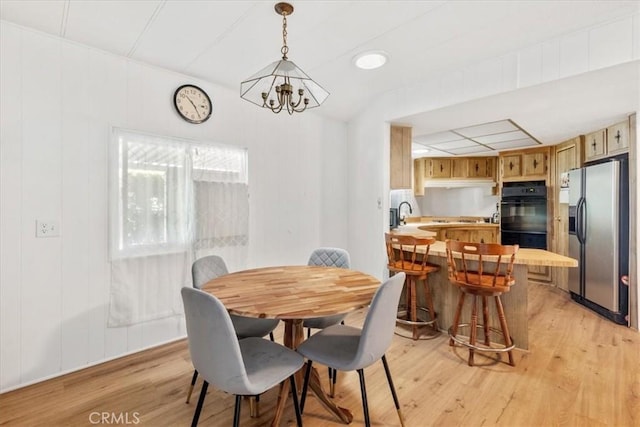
192, 103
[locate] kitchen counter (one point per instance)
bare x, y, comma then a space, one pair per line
468, 231
515, 301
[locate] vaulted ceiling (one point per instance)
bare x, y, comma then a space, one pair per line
227, 41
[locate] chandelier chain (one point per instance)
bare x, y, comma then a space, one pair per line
285, 48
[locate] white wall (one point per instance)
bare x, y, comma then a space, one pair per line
58, 103
551, 60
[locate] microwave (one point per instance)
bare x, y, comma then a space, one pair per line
393, 218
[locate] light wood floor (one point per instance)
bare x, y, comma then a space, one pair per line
581, 370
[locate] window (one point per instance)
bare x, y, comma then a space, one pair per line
171, 195
171, 201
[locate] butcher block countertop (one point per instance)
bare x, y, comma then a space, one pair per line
524, 256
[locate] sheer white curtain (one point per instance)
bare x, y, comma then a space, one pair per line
221, 198
171, 201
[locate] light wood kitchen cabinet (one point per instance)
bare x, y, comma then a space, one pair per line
607, 142
470, 234
418, 177
511, 166
459, 167
525, 165
480, 167
440, 168
568, 155
595, 145
400, 158
483, 236
618, 138
535, 164
460, 234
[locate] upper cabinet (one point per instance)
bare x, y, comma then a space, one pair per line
439, 168
428, 171
618, 138
607, 142
480, 167
400, 158
595, 145
525, 165
459, 167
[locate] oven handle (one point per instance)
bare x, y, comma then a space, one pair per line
520, 200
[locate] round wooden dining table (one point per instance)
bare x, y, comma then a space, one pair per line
293, 294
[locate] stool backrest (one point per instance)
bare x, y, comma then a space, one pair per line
502, 255
402, 251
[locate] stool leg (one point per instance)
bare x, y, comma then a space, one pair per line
407, 298
456, 318
505, 328
429, 300
474, 325
414, 310
485, 319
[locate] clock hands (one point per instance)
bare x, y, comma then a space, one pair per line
194, 107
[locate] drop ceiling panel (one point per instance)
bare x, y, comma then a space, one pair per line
106, 25
437, 138
501, 137
528, 142
461, 143
487, 129
488, 138
471, 150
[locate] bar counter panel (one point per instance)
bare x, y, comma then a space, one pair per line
515, 302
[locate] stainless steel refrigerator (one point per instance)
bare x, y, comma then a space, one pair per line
599, 237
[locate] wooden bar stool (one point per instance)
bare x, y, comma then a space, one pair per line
466, 265
403, 256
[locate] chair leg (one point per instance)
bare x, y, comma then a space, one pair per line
365, 405
308, 333
332, 386
271, 336
203, 394
294, 396
505, 328
474, 325
456, 317
236, 412
193, 383
254, 406
485, 319
393, 389
305, 385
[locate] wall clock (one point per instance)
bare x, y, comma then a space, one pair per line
192, 103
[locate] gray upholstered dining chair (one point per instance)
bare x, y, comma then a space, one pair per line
328, 257
210, 267
245, 367
346, 348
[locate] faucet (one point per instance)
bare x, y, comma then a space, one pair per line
401, 218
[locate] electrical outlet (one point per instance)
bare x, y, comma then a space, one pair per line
47, 228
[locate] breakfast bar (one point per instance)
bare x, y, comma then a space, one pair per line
445, 295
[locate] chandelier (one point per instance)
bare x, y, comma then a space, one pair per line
281, 85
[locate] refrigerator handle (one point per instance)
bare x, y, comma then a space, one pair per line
581, 211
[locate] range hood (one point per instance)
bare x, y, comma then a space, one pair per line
459, 183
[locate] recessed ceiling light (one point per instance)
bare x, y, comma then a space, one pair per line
370, 60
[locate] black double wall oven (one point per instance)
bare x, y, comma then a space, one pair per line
523, 214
